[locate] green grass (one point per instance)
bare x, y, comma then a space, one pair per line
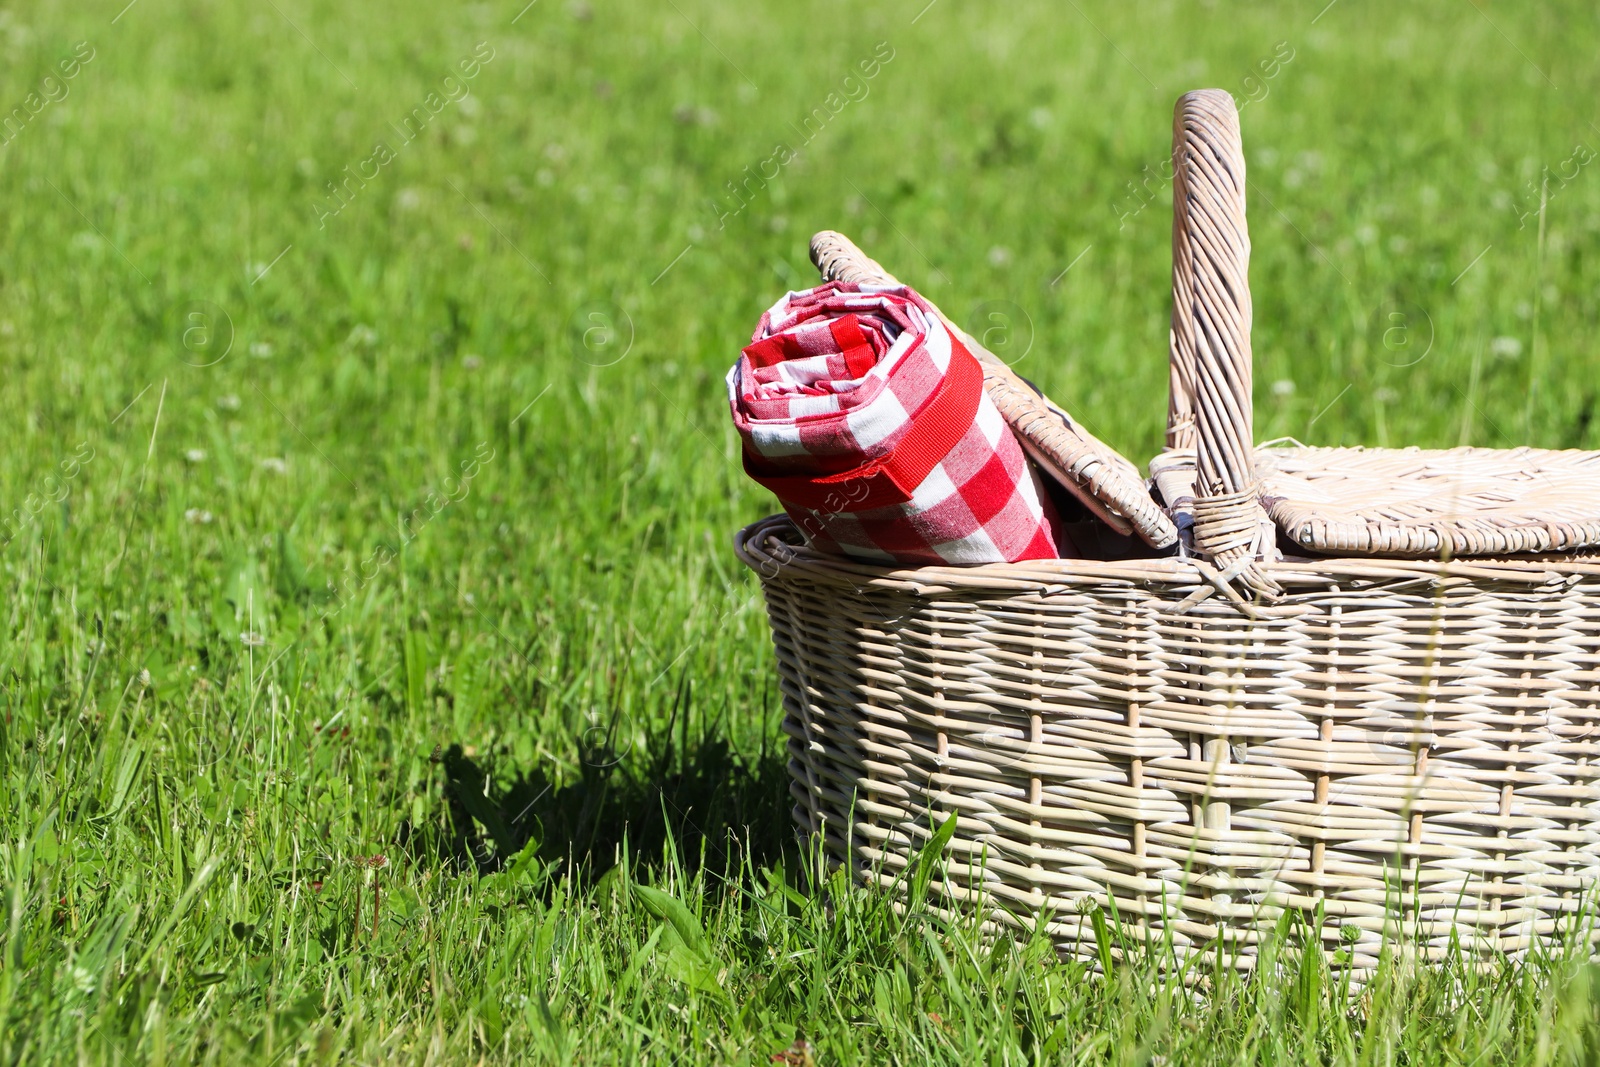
261, 629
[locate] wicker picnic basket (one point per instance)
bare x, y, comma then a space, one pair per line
1403, 746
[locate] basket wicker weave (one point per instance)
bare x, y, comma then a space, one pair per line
1406, 747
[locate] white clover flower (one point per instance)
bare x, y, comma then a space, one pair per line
1505, 347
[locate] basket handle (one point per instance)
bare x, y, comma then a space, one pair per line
1210, 406
837, 258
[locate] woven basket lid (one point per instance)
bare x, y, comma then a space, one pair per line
1093, 472
1416, 503
1413, 502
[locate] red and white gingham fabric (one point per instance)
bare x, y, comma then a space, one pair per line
870, 423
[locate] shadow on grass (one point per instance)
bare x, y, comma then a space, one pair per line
714, 803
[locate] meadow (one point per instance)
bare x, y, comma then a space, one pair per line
379, 684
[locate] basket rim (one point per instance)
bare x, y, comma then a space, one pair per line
1043, 577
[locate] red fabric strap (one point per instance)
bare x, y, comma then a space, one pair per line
859, 358
891, 478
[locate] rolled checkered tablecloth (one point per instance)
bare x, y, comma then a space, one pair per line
870, 423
